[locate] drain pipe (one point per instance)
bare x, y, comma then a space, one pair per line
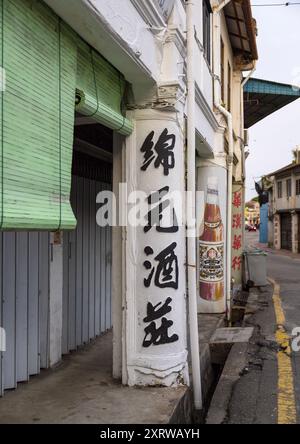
242, 131
248, 76
228, 117
191, 187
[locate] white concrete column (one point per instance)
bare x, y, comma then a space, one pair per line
156, 324
55, 297
118, 273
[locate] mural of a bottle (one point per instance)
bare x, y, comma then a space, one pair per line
211, 247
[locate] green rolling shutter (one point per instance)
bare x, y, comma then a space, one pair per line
37, 118
99, 90
48, 68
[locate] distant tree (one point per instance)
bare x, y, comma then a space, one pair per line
296, 154
263, 196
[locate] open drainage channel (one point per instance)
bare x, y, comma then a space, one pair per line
221, 344
217, 370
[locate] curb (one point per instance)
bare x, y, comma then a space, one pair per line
235, 364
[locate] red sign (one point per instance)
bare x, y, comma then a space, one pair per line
237, 221
236, 263
237, 199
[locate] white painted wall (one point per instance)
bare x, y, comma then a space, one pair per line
203, 71
117, 30
285, 203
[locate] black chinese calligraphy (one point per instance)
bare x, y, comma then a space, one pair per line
163, 268
155, 215
154, 335
166, 271
162, 153
157, 311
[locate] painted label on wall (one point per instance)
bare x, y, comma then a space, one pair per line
211, 215
211, 246
237, 233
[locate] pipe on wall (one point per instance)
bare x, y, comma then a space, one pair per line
228, 117
191, 187
244, 157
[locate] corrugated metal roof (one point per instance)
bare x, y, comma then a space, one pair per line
263, 97
269, 87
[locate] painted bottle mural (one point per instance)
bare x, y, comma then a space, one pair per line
211, 247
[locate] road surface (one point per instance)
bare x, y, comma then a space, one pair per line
269, 391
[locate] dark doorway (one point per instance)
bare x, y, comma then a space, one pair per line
286, 231
298, 233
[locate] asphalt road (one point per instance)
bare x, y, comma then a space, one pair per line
262, 396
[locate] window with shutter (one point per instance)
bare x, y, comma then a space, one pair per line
279, 190
206, 8
289, 188
298, 187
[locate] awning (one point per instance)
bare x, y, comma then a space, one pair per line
263, 97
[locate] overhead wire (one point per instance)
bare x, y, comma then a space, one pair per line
276, 4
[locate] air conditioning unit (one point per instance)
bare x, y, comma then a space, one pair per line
246, 137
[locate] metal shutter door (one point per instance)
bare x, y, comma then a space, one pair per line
286, 231
87, 270
24, 265
298, 233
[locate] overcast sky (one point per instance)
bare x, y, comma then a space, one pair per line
272, 139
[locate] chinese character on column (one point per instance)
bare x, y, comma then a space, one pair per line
166, 271
158, 335
162, 153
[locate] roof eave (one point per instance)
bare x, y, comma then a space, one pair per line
283, 170
251, 27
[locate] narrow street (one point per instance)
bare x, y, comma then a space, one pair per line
269, 390
139, 139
